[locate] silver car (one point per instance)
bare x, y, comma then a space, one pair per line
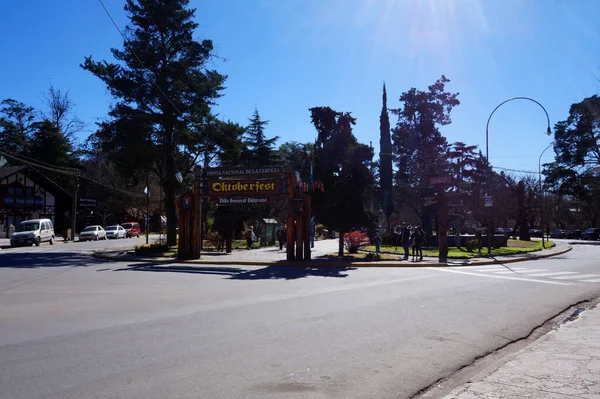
92, 233
115, 231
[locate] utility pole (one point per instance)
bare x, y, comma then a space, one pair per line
74, 210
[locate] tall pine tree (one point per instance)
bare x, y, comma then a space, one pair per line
259, 149
385, 162
161, 79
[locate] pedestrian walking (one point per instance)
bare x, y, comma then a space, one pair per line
377, 242
405, 239
250, 237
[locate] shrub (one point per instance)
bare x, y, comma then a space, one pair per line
354, 240
473, 244
372, 256
154, 248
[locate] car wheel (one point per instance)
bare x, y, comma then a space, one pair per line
52, 240
38, 241
96, 239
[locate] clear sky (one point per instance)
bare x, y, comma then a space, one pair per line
285, 56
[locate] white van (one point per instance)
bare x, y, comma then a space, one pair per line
34, 231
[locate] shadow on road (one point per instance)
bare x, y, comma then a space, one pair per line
50, 259
234, 273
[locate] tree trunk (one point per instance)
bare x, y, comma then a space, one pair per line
341, 244
170, 197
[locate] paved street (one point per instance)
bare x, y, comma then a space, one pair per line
77, 327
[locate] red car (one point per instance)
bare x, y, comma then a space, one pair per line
131, 229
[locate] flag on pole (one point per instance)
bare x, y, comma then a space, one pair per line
146, 191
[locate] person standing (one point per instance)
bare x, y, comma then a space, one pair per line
377, 242
281, 236
405, 239
250, 237
419, 236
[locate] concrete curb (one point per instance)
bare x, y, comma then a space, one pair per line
131, 258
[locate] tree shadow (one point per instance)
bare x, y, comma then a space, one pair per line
235, 273
24, 260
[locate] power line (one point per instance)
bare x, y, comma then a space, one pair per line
515, 170
52, 181
53, 168
138, 58
71, 172
4, 150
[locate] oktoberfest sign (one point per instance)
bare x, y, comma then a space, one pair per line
245, 188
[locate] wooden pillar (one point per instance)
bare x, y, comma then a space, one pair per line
196, 238
442, 226
181, 238
307, 226
290, 220
299, 237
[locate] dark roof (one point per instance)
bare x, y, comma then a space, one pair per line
10, 170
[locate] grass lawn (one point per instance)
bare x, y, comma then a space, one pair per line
514, 247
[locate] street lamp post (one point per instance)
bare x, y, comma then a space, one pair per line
487, 153
542, 194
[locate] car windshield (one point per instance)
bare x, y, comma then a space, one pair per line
28, 227
90, 228
127, 225
109, 228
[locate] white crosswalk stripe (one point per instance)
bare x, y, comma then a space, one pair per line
578, 276
550, 274
525, 274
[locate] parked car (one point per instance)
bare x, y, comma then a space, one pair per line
33, 232
574, 234
535, 233
558, 234
115, 231
591, 234
131, 229
92, 233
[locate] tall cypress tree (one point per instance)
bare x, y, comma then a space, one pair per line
385, 162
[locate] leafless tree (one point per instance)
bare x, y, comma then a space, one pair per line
59, 111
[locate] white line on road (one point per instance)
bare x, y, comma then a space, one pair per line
484, 268
578, 277
449, 270
521, 271
550, 274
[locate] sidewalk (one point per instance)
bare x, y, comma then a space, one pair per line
273, 255
565, 363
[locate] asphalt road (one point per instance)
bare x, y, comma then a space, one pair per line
75, 327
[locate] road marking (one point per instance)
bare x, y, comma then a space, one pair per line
592, 281
550, 274
449, 270
521, 271
580, 276
480, 268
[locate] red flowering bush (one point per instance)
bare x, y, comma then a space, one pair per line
354, 240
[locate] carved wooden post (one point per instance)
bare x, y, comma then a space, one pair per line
197, 215
290, 219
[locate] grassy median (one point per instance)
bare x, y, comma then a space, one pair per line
514, 247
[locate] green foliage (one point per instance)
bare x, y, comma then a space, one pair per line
386, 197
576, 145
341, 163
156, 248
16, 120
161, 103
259, 149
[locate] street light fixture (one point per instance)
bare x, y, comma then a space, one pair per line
487, 153
542, 193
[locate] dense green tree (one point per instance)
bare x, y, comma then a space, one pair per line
16, 124
259, 150
341, 163
577, 149
420, 149
298, 156
161, 80
385, 163
49, 146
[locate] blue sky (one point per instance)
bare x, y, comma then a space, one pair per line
285, 56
